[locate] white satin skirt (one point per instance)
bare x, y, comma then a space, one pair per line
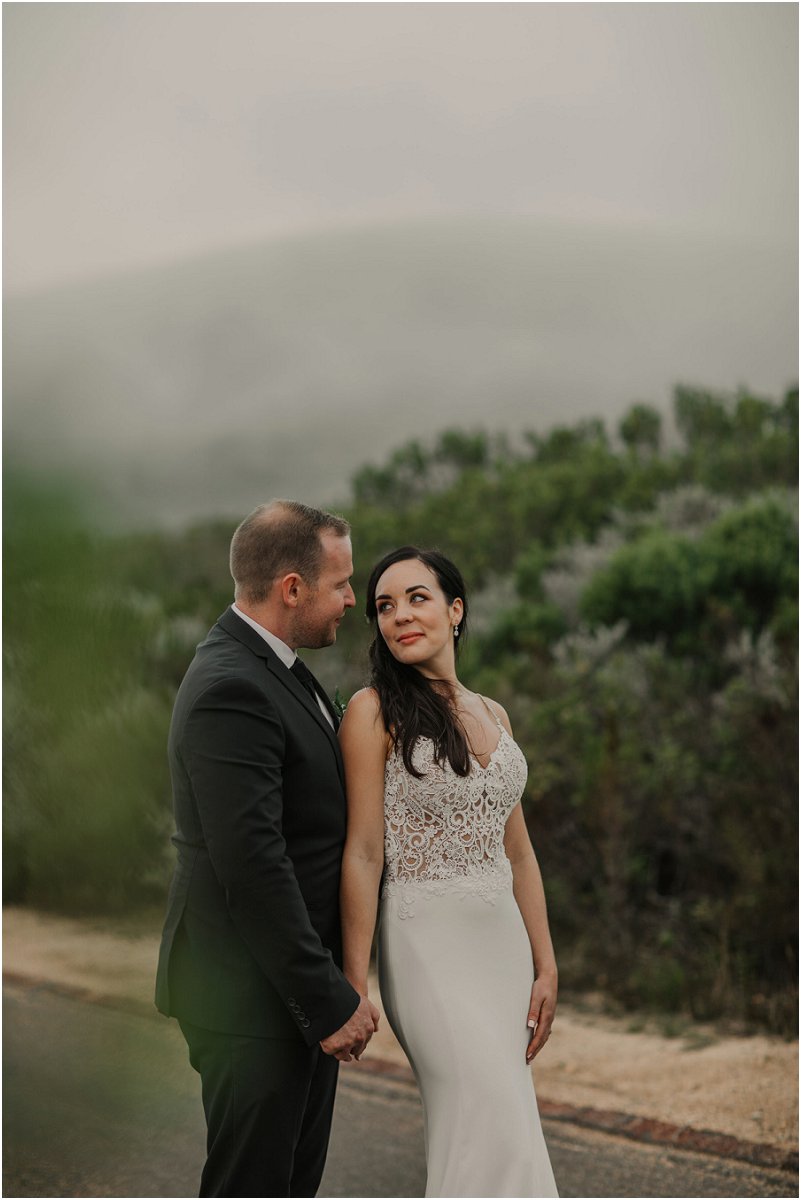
455, 973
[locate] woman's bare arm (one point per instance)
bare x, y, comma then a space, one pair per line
364, 742
530, 896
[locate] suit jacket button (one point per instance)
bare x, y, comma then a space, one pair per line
305, 1022
291, 1001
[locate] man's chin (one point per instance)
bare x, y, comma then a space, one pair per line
319, 641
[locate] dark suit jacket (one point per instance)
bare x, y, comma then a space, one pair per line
252, 942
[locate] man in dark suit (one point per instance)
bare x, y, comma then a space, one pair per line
251, 952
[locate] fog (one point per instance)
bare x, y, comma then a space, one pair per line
249, 247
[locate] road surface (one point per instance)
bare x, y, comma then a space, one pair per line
99, 1102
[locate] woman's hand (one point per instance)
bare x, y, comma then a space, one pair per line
541, 1013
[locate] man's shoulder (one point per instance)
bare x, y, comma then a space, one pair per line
222, 658
223, 678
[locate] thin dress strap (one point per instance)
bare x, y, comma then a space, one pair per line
492, 712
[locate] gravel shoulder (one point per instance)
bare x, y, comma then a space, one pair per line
745, 1087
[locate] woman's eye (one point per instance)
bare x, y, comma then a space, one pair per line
383, 607
417, 596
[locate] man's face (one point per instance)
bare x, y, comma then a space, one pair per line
323, 606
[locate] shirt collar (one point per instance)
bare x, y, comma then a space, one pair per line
284, 652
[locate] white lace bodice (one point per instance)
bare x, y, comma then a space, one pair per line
444, 830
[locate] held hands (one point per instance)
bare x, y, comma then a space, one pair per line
350, 1041
541, 1012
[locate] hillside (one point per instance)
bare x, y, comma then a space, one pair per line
634, 606
206, 386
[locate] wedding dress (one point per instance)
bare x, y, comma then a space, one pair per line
455, 971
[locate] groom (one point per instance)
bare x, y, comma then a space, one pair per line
251, 950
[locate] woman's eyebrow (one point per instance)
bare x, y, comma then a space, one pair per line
416, 588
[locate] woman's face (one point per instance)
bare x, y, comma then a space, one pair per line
414, 617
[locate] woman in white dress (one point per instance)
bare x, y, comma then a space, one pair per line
466, 967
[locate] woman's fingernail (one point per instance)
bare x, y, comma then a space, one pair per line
532, 1024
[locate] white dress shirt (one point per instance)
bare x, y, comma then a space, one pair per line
284, 652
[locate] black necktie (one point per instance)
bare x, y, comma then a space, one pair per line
305, 677
307, 680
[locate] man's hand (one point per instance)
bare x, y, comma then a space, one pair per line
350, 1041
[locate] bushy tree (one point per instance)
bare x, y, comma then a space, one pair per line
654, 585
737, 574
750, 558
702, 416
641, 429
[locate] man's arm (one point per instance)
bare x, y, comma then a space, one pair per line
232, 746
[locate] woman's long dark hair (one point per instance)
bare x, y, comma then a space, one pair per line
412, 705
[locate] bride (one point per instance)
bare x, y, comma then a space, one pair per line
466, 966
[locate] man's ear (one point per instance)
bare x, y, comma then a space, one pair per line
290, 589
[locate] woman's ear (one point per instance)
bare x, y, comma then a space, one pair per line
457, 611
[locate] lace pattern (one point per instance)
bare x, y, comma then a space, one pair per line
444, 832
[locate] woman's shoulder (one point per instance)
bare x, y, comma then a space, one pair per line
365, 702
499, 712
364, 710
363, 720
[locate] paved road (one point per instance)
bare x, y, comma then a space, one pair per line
103, 1103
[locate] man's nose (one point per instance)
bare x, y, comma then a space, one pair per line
350, 597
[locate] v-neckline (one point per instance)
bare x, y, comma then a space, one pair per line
485, 767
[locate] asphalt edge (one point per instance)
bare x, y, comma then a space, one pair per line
637, 1128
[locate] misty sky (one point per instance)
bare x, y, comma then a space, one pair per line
138, 133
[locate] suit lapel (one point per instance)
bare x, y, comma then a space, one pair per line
285, 677
244, 633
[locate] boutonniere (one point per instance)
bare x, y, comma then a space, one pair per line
340, 703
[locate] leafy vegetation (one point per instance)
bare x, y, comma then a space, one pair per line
635, 609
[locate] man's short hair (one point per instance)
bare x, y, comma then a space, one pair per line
278, 538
